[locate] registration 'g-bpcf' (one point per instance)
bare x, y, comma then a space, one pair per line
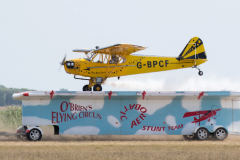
195, 115
117, 60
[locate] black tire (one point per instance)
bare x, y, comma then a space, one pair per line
202, 134
97, 87
188, 137
85, 88
34, 135
220, 134
200, 73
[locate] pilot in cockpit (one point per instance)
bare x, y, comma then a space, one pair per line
115, 59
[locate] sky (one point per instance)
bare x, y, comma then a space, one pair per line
35, 36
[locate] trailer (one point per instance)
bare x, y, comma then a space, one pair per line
195, 115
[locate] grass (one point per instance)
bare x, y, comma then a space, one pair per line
10, 117
118, 150
162, 149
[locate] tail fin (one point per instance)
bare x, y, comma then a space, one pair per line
195, 119
193, 50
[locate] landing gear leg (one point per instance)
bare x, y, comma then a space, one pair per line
92, 83
200, 73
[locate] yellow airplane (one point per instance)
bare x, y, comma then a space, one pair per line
117, 60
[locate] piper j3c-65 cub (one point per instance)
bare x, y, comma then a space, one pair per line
117, 60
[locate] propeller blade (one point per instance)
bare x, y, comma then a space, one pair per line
63, 62
59, 68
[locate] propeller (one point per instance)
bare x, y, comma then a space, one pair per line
63, 61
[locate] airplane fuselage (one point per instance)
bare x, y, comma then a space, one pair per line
132, 65
206, 116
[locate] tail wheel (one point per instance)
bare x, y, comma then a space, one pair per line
220, 134
97, 87
200, 73
85, 88
202, 134
34, 135
188, 137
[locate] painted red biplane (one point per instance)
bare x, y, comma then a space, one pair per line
203, 115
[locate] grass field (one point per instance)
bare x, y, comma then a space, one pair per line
96, 147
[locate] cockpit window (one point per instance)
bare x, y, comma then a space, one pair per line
113, 59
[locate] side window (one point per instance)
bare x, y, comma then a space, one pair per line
113, 59
117, 59
123, 60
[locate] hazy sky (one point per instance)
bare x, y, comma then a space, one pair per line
35, 35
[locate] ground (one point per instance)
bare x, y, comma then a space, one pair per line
119, 147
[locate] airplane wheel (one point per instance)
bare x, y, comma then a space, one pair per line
188, 137
202, 134
200, 73
220, 134
85, 88
97, 87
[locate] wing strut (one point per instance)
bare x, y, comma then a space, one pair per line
108, 64
93, 56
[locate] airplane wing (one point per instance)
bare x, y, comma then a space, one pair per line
118, 49
85, 50
195, 113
